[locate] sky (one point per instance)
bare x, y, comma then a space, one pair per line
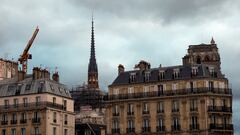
126, 32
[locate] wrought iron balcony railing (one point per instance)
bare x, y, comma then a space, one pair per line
176, 127
221, 126
168, 93
146, 129
160, 128
22, 121
13, 122
116, 130
4, 122
130, 113
194, 126
30, 106
36, 120
130, 130
219, 109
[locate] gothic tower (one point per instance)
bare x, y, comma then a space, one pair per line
92, 66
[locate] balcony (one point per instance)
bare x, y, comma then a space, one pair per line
145, 112
146, 129
219, 109
194, 127
178, 92
115, 131
13, 122
194, 109
4, 122
160, 128
221, 126
23, 121
36, 120
175, 110
130, 113
130, 130
160, 111
116, 114
30, 106
176, 128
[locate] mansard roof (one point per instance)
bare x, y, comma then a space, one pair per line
185, 72
13, 87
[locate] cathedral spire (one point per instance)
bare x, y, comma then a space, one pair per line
212, 41
92, 66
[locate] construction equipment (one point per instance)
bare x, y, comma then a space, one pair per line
25, 55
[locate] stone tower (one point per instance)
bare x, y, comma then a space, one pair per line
92, 66
203, 54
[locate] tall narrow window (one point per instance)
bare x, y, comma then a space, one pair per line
160, 90
176, 73
160, 107
115, 110
176, 124
13, 131
23, 131
65, 131
54, 117
147, 76
38, 100
145, 108
194, 123
25, 102
193, 105
160, 124
54, 131
130, 124
65, 105
6, 104
15, 102
54, 100
161, 74
130, 109
175, 106
66, 119
4, 132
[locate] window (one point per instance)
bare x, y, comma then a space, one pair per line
211, 85
23, 118
36, 115
13, 131
28, 87
145, 108
147, 76
65, 119
176, 73
23, 131
132, 77
160, 124
115, 124
161, 74
5, 117
130, 109
14, 116
115, 91
160, 107
25, 102
36, 131
160, 89
40, 87
146, 123
193, 105
115, 110
65, 132
54, 100
18, 91
6, 104
15, 101
212, 102
4, 132
130, 90
213, 119
38, 100
175, 123
130, 124
224, 102
194, 71
194, 122
54, 117
145, 90
65, 105
175, 106
212, 71
174, 86
54, 131
52, 88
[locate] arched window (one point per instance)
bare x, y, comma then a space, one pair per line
198, 60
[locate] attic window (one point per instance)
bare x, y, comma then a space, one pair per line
28, 86
10, 88
132, 77
60, 89
176, 73
40, 87
161, 74
212, 71
52, 88
194, 71
147, 76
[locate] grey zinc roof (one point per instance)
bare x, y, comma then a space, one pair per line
12, 87
185, 73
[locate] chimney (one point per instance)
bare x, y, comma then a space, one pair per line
46, 74
55, 77
143, 65
120, 69
21, 75
36, 73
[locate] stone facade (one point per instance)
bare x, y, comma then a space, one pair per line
193, 98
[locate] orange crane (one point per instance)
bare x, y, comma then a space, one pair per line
25, 55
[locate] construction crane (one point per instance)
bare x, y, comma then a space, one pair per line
25, 55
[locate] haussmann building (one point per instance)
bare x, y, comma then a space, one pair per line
191, 99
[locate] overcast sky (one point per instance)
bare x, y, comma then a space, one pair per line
126, 31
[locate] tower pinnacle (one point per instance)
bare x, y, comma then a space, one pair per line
92, 66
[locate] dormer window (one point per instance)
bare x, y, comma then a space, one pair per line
161, 74
194, 71
212, 71
176, 73
132, 77
147, 76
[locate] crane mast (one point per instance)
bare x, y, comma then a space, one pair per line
25, 55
